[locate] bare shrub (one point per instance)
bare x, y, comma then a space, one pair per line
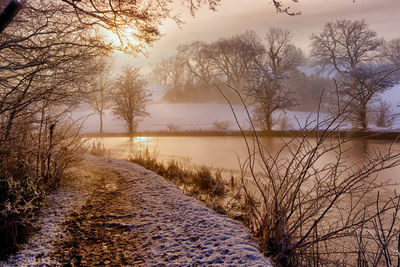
283, 122
172, 127
302, 208
221, 125
32, 162
377, 240
383, 114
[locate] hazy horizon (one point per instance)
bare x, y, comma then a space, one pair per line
236, 16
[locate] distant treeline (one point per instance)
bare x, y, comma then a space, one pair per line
349, 63
192, 73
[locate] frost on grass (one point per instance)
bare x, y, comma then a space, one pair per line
59, 205
156, 222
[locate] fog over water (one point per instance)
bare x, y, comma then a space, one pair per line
198, 116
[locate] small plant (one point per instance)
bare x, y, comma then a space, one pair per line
221, 125
97, 148
172, 127
383, 114
203, 179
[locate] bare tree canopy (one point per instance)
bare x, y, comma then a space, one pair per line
345, 45
233, 57
392, 51
197, 62
353, 51
267, 90
136, 23
130, 98
99, 98
282, 54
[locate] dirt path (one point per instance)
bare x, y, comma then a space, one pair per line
114, 213
101, 232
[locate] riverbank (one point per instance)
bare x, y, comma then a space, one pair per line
115, 212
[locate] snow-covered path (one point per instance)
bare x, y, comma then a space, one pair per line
132, 216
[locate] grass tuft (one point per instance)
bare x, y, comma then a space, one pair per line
199, 183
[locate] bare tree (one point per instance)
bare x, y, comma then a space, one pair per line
130, 97
268, 95
159, 73
234, 57
267, 89
392, 51
351, 49
282, 55
45, 68
173, 71
198, 63
173, 68
99, 99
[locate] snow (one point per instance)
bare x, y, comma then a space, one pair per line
169, 227
69, 198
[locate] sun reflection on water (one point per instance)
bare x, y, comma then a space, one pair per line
141, 139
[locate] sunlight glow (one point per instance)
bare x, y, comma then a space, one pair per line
124, 41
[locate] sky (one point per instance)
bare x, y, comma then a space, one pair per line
236, 16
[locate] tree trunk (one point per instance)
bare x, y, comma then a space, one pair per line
268, 122
363, 117
130, 127
9, 13
101, 122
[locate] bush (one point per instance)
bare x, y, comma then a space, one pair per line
33, 159
383, 114
21, 198
307, 211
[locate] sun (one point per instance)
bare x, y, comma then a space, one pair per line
123, 40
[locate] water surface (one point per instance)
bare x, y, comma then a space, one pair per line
226, 152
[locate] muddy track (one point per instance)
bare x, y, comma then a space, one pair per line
101, 232
114, 213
